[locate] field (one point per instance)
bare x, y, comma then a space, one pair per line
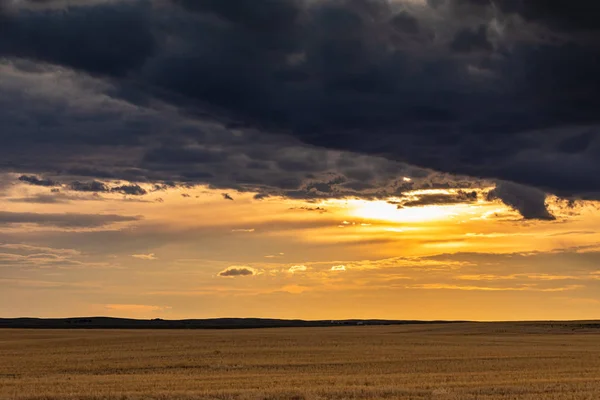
456, 361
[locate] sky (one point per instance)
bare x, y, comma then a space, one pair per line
314, 159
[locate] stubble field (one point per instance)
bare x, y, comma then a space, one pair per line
456, 361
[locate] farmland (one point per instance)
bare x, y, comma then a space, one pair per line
484, 361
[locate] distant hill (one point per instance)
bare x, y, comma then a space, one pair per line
214, 323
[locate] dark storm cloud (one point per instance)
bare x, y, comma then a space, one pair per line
502, 90
405, 23
237, 271
264, 16
80, 38
471, 40
574, 16
183, 155
67, 220
180, 151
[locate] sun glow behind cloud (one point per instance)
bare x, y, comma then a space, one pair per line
391, 210
384, 211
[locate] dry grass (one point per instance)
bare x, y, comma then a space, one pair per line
445, 362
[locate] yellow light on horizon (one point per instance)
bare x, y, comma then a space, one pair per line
384, 211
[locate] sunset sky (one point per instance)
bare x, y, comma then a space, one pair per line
314, 159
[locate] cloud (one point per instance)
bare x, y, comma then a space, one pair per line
134, 190
297, 268
237, 271
272, 165
26, 248
275, 255
102, 187
429, 199
243, 230
471, 40
573, 233
34, 180
66, 220
41, 198
319, 210
405, 23
26, 257
522, 288
129, 41
338, 268
148, 257
92, 186
49, 285
564, 18
529, 202
57, 197
502, 90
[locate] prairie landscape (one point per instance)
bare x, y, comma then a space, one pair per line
484, 361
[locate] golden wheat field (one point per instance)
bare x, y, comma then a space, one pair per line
457, 361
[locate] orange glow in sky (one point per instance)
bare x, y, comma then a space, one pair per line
199, 255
